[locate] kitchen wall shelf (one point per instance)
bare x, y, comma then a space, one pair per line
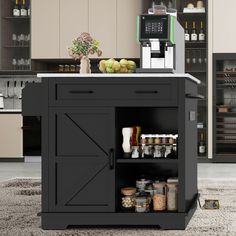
16, 18
14, 47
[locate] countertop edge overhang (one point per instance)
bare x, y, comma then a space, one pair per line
135, 75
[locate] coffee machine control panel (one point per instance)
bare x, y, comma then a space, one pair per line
154, 27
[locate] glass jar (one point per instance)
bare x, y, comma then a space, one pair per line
157, 152
159, 197
142, 203
141, 184
172, 196
128, 198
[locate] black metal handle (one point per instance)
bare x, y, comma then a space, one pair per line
111, 158
197, 96
146, 92
81, 92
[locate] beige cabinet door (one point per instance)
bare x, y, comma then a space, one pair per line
224, 34
127, 12
74, 18
11, 138
102, 25
45, 29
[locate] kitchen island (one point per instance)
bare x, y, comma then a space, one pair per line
83, 164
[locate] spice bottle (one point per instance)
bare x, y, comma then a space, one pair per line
159, 197
172, 196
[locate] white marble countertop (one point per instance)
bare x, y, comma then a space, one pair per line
135, 75
10, 110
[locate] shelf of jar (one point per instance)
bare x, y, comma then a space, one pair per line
146, 160
149, 212
16, 17
16, 46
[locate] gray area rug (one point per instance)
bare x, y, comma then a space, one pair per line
20, 203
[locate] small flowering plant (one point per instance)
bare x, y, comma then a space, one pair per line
83, 46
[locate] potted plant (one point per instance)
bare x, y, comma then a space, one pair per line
81, 48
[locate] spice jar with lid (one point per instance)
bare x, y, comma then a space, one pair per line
128, 198
159, 197
142, 202
172, 196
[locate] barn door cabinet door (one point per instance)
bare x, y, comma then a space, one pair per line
82, 160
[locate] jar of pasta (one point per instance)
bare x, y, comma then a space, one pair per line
159, 196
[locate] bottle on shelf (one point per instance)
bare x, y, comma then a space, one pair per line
28, 8
187, 35
202, 145
23, 10
194, 33
16, 9
202, 35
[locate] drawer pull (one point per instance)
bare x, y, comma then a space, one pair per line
146, 92
81, 92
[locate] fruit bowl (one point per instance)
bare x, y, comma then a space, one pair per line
112, 66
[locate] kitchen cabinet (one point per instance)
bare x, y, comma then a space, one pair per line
11, 139
73, 21
102, 25
127, 41
223, 16
45, 29
83, 165
84, 168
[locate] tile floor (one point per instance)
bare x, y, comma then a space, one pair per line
205, 171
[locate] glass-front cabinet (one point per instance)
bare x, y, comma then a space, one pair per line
15, 36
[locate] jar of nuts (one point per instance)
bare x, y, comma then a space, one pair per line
128, 198
159, 197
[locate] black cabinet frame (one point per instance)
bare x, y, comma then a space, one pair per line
79, 125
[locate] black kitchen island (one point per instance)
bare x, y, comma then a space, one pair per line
83, 167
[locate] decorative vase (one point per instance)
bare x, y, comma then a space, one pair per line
127, 134
85, 66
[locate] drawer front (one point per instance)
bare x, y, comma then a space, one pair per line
75, 94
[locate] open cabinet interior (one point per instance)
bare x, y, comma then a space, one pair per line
129, 171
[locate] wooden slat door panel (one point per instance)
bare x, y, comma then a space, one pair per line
80, 159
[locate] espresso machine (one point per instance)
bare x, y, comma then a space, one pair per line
162, 44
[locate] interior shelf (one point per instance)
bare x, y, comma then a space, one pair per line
144, 160
16, 17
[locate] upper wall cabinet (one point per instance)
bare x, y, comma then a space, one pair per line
111, 22
102, 25
73, 21
127, 12
45, 29
223, 36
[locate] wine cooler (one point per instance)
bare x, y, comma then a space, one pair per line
225, 107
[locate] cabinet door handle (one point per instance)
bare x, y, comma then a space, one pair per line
81, 92
111, 158
146, 92
193, 96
